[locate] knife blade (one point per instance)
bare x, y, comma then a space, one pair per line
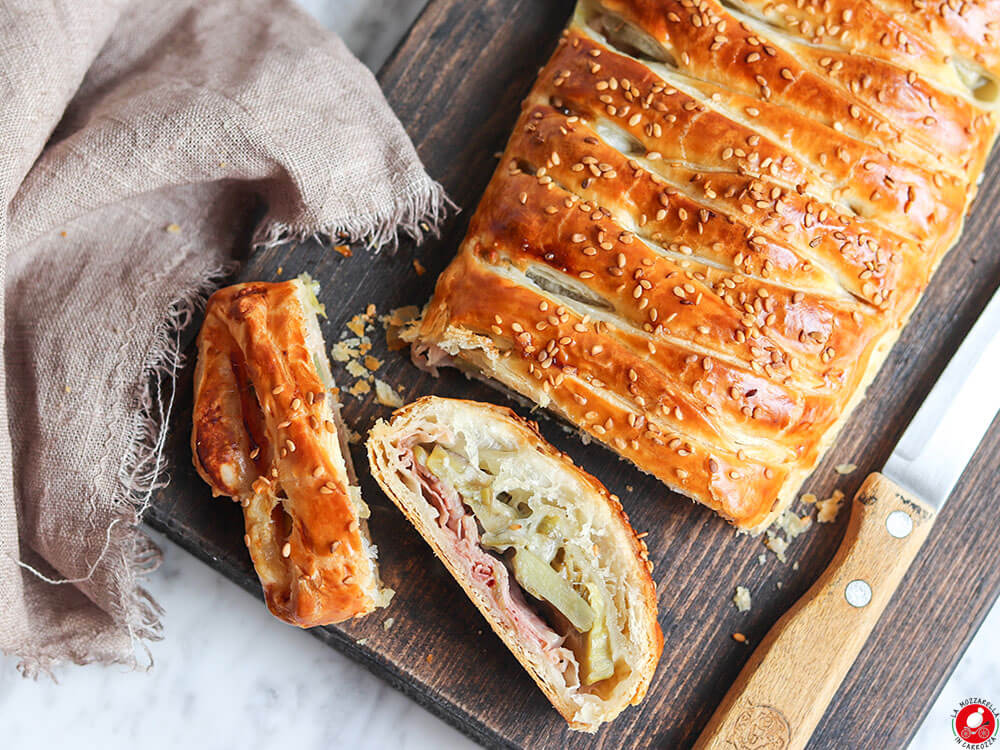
784, 689
940, 440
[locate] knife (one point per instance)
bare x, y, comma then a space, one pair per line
784, 689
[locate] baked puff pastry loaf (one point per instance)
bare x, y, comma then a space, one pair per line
541, 548
711, 222
267, 433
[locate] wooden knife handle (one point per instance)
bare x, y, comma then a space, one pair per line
784, 689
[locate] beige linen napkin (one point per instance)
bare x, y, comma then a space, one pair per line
135, 139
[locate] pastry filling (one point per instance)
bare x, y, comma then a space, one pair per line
522, 547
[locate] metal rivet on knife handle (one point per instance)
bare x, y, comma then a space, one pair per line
899, 524
858, 593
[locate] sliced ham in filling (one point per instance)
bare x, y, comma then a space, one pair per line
487, 571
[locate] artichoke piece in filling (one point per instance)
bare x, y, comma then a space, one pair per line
532, 538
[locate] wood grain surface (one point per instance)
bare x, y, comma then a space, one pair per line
456, 82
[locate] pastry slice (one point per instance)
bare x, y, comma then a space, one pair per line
541, 548
267, 433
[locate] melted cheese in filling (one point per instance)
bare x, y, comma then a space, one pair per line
542, 540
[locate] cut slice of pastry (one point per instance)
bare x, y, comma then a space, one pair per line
541, 548
267, 433
712, 220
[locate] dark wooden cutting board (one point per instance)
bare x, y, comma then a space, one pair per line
456, 82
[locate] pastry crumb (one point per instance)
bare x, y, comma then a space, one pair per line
361, 641
353, 351
388, 622
808, 498
173, 228
386, 396
354, 438
742, 599
396, 323
360, 388
360, 322
346, 350
400, 316
419, 267
793, 525
356, 369
430, 658
356, 326
845, 468
790, 525
777, 545
828, 509
344, 250
739, 638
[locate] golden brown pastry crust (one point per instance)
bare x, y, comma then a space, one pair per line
711, 222
622, 552
266, 434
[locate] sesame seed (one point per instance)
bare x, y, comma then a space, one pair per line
286, 550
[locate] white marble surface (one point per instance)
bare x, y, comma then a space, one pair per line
229, 675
